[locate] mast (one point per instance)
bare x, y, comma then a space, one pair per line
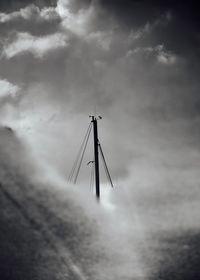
97, 151
96, 157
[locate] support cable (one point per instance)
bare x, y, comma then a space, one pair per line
105, 165
75, 165
77, 158
83, 152
106, 172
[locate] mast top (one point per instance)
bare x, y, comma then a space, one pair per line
95, 118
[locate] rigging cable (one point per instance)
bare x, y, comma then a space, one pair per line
83, 152
78, 156
105, 165
80, 152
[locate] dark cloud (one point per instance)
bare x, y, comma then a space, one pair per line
13, 5
46, 20
182, 35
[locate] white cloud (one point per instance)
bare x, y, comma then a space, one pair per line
38, 46
165, 56
82, 23
49, 13
79, 22
7, 89
146, 50
30, 12
162, 55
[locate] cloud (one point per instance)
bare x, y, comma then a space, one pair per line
166, 58
161, 21
49, 14
7, 89
102, 38
14, 5
31, 19
30, 13
81, 22
159, 52
85, 22
38, 46
78, 22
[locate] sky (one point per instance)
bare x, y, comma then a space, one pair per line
135, 63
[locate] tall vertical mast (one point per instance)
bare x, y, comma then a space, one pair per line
96, 157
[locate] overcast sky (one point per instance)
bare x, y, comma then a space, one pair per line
135, 63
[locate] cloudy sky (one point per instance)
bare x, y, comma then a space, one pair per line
135, 63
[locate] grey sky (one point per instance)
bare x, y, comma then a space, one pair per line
137, 63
